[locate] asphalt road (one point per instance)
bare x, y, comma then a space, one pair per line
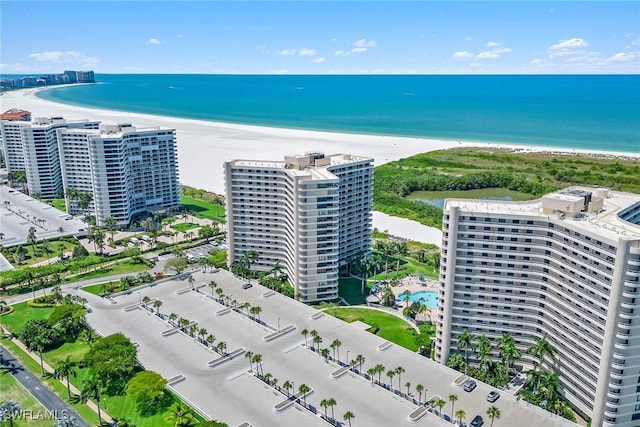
41, 392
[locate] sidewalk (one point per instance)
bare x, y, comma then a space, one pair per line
50, 370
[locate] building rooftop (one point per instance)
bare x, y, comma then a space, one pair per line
309, 164
591, 209
16, 114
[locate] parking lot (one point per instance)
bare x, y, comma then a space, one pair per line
228, 392
23, 212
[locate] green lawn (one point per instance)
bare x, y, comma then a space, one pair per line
349, 289
203, 209
124, 267
22, 314
183, 227
391, 327
99, 288
59, 204
10, 389
32, 258
408, 267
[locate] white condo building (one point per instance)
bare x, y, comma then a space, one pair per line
128, 171
32, 147
566, 265
309, 212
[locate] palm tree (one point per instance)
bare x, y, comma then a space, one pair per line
304, 332
453, 398
335, 345
267, 378
332, 402
212, 285
552, 386
465, 343
323, 404
304, 389
317, 340
408, 386
460, 414
191, 281
65, 369
287, 386
91, 390
419, 389
31, 239
210, 340
391, 374
379, 370
10, 410
180, 415
360, 360
493, 413
348, 416
172, 318
440, 404
508, 350
157, 304
371, 372
325, 353
399, 370
257, 359
111, 225
203, 333
249, 356
484, 351
541, 348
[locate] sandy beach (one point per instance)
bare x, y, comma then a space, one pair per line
204, 146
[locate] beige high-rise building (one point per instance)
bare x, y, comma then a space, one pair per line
566, 266
310, 213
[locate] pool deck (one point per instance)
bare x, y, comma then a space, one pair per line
415, 284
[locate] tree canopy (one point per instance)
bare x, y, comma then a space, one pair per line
113, 360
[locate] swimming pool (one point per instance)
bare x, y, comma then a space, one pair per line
428, 298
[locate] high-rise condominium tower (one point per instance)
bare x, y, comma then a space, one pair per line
309, 213
565, 267
128, 171
32, 147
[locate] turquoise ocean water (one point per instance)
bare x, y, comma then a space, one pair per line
592, 112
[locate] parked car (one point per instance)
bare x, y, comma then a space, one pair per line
477, 421
469, 385
493, 396
246, 285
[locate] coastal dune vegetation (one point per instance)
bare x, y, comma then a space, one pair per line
531, 174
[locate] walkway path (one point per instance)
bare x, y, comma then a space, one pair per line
41, 392
50, 370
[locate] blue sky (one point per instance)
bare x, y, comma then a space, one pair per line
320, 37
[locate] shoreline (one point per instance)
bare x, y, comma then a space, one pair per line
203, 146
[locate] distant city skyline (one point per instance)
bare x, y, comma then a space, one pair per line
307, 37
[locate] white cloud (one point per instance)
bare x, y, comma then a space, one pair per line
179, 36
487, 55
69, 56
462, 54
333, 40
562, 53
536, 62
359, 49
572, 43
493, 44
622, 57
318, 59
341, 53
307, 52
501, 50
468, 38
154, 42
288, 52
365, 43
636, 42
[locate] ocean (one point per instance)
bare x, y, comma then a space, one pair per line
589, 112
